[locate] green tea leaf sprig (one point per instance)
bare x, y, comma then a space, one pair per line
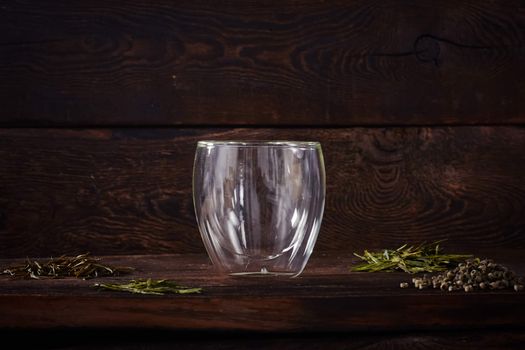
411, 259
80, 266
149, 286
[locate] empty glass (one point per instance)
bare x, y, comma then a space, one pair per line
259, 204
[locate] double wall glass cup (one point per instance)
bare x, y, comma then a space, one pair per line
259, 204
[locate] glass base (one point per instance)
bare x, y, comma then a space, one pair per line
263, 273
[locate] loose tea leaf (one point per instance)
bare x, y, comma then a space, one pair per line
474, 274
149, 286
411, 259
80, 266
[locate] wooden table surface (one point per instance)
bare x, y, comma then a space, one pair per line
326, 297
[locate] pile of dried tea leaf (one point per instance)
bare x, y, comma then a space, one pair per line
474, 274
149, 286
411, 259
86, 267
81, 266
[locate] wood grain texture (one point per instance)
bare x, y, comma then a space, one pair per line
128, 191
305, 62
164, 340
325, 298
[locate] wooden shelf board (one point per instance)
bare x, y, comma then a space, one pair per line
326, 297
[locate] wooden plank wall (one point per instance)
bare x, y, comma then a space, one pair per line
419, 106
304, 62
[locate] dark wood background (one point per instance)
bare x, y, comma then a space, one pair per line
307, 62
419, 106
128, 191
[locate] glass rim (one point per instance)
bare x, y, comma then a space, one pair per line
259, 143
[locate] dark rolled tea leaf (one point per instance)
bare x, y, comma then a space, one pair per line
81, 266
